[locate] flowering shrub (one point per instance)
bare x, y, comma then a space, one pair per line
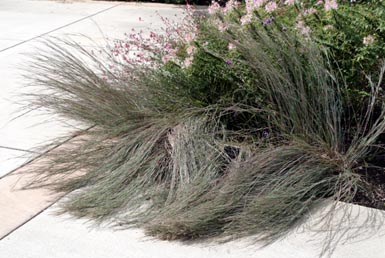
199, 47
203, 49
193, 47
353, 32
156, 48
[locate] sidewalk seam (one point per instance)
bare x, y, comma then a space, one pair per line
54, 200
31, 218
46, 151
61, 27
17, 149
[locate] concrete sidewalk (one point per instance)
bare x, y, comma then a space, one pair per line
26, 218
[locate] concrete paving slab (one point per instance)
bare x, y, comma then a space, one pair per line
19, 199
17, 205
32, 129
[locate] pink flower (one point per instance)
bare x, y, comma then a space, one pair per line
330, 5
171, 52
246, 19
252, 5
140, 56
214, 7
310, 11
270, 7
188, 61
168, 46
190, 50
289, 2
259, 3
165, 58
230, 5
152, 34
189, 37
231, 46
303, 29
306, 31
221, 27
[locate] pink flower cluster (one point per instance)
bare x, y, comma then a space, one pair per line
246, 19
303, 28
140, 48
310, 11
216, 8
230, 6
271, 7
252, 5
153, 48
268, 6
289, 2
330, 5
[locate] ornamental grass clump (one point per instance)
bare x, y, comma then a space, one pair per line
166, 152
